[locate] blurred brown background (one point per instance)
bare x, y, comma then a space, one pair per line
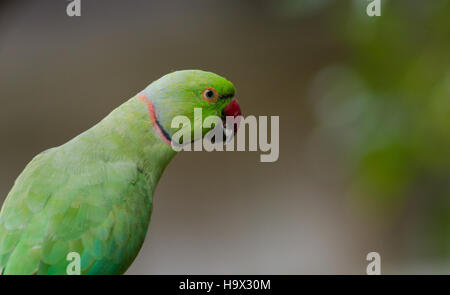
324, 67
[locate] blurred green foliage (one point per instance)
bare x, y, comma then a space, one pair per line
387, 105
402, 58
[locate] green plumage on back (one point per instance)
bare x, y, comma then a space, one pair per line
94, 194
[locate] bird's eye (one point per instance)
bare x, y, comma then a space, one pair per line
210, 94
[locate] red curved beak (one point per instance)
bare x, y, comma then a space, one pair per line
233, 109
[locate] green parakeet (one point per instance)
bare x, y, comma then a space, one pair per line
94, 194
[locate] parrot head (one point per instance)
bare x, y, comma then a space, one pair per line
180, 93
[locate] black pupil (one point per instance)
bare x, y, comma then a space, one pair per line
209, 94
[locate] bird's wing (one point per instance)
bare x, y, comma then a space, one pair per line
100, 211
